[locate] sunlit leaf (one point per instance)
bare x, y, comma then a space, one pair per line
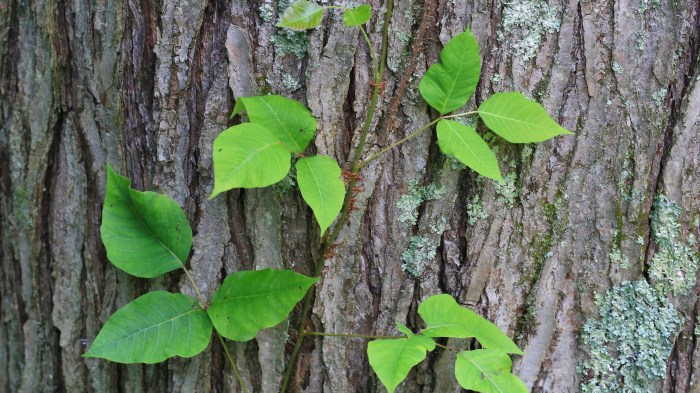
463, 143
145, 234
392, 359
357, 16
517, 119
445, 318
447, 85
290, 121
152, 328
252, 300
320, 185
302, 15
487, 371
248, 155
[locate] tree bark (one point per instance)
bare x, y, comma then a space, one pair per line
147, 86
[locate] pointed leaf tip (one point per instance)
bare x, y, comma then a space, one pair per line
320, 185
302, 15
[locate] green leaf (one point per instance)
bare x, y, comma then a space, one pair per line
357, 16
404, 329
487, 371
152, 328
320, 185
289, 120
248, 155
463, 143
145, 234
252, 300
517, 119
302, 15
445, 318
448, 85
391, 360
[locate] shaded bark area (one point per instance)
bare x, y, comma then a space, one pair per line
147, 86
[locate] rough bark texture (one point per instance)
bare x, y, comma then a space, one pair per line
147, 85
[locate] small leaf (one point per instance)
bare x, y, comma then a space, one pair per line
248, 155
404, 329
487, 371
320, 185
145, 234
289, 120
518, 120
391, 360
445, 318
463, 143
152, 328
252, 300
357, 16
302, 15
448, 85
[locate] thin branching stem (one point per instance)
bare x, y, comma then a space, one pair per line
241, 382
402, 141
347, 335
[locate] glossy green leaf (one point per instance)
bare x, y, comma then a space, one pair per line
392, 359
449, 84
288, 120
145, 234
252, 300
404, 329
445, 318
357, 16
464, 144
152, 328
302, 15
248, 155
487, 371
320, 185
517, 119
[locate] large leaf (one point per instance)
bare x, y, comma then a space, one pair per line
320, 185
448, 85
392, 359
289, 120
445, 318
252, 300
487, 371
357, 16
302, 15
517, 119
145, 234
248, 155
463, 143
152, 328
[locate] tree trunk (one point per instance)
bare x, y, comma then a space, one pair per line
147, 86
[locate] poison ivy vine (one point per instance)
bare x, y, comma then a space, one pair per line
147, 234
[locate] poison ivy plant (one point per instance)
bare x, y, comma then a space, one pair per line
485, 370
147, 234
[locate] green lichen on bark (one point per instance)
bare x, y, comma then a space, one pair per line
409, 203
528, 21
629, 344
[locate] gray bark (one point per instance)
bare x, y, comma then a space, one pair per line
147, 86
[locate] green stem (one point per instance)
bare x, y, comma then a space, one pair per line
469, 113
402, 141
330, 239
447, 348
373, 55
194, 285
346, 335
233, 364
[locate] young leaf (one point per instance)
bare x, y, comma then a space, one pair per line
288, 120
392, 359
320, 185
248, 155
448, 85
357, 16
252, 300
445, 318
517, 119
487, 371
152, 328
145, 234
302, 15
463, 143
